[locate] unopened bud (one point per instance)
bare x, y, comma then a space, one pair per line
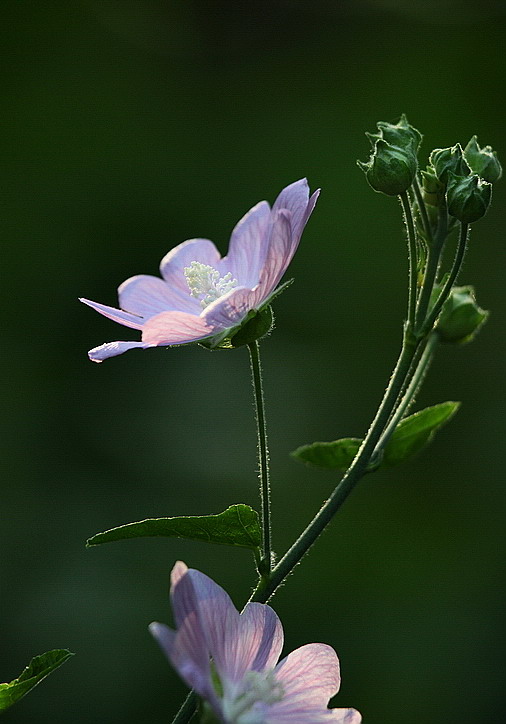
432, 188
461, 317
483, 161
449, 160
468, 197
401, 134
391, 169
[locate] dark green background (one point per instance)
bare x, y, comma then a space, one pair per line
131, 125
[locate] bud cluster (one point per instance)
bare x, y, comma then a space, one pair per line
456, 179
461, 173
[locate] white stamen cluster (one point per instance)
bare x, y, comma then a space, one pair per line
257, 687
205, 282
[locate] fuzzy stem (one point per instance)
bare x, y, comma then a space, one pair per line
355, 472
457, 265
263, 456
408, 217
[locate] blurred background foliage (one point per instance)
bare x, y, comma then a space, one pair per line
131, 125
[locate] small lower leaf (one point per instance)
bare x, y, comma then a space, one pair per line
238, 525
336, 455
38, 668
415, 431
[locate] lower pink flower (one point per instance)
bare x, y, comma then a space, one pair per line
231, 659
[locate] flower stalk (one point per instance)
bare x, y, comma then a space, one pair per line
263, 458
410, 226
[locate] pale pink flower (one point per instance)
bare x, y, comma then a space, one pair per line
231, 659
204, 296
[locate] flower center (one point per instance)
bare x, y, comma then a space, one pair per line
205, 283
258, 687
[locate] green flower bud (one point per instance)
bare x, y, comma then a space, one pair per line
446, 160
401, 134
483, 161
461, 317
468, 197
432, 188
390, 170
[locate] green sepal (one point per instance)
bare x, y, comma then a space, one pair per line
336, 455
38, 668
257, 323
238, 525
415, 431
255, 328
401, 134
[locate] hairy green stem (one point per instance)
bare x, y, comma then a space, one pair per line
432, 267
263, 456
408, 397
423, 210
408, 217
457, 265
355, 472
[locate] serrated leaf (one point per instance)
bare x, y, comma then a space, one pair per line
238, 525
415, 431
336, 455
38, 668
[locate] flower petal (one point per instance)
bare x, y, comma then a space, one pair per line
247, 248
230, 309
112, 349
187, 652
258, 641
294, 198
303, 715
175, 328
281, 247
196, 597
117, 315
309, 677
173, 264
148, 296
310, 206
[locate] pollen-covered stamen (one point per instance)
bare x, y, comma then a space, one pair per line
257, 687
204, 282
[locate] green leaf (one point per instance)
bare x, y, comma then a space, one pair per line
337, 455
236, 526
415, 431
38, 668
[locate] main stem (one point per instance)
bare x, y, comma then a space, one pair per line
263, 457
355, 472
427, 354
